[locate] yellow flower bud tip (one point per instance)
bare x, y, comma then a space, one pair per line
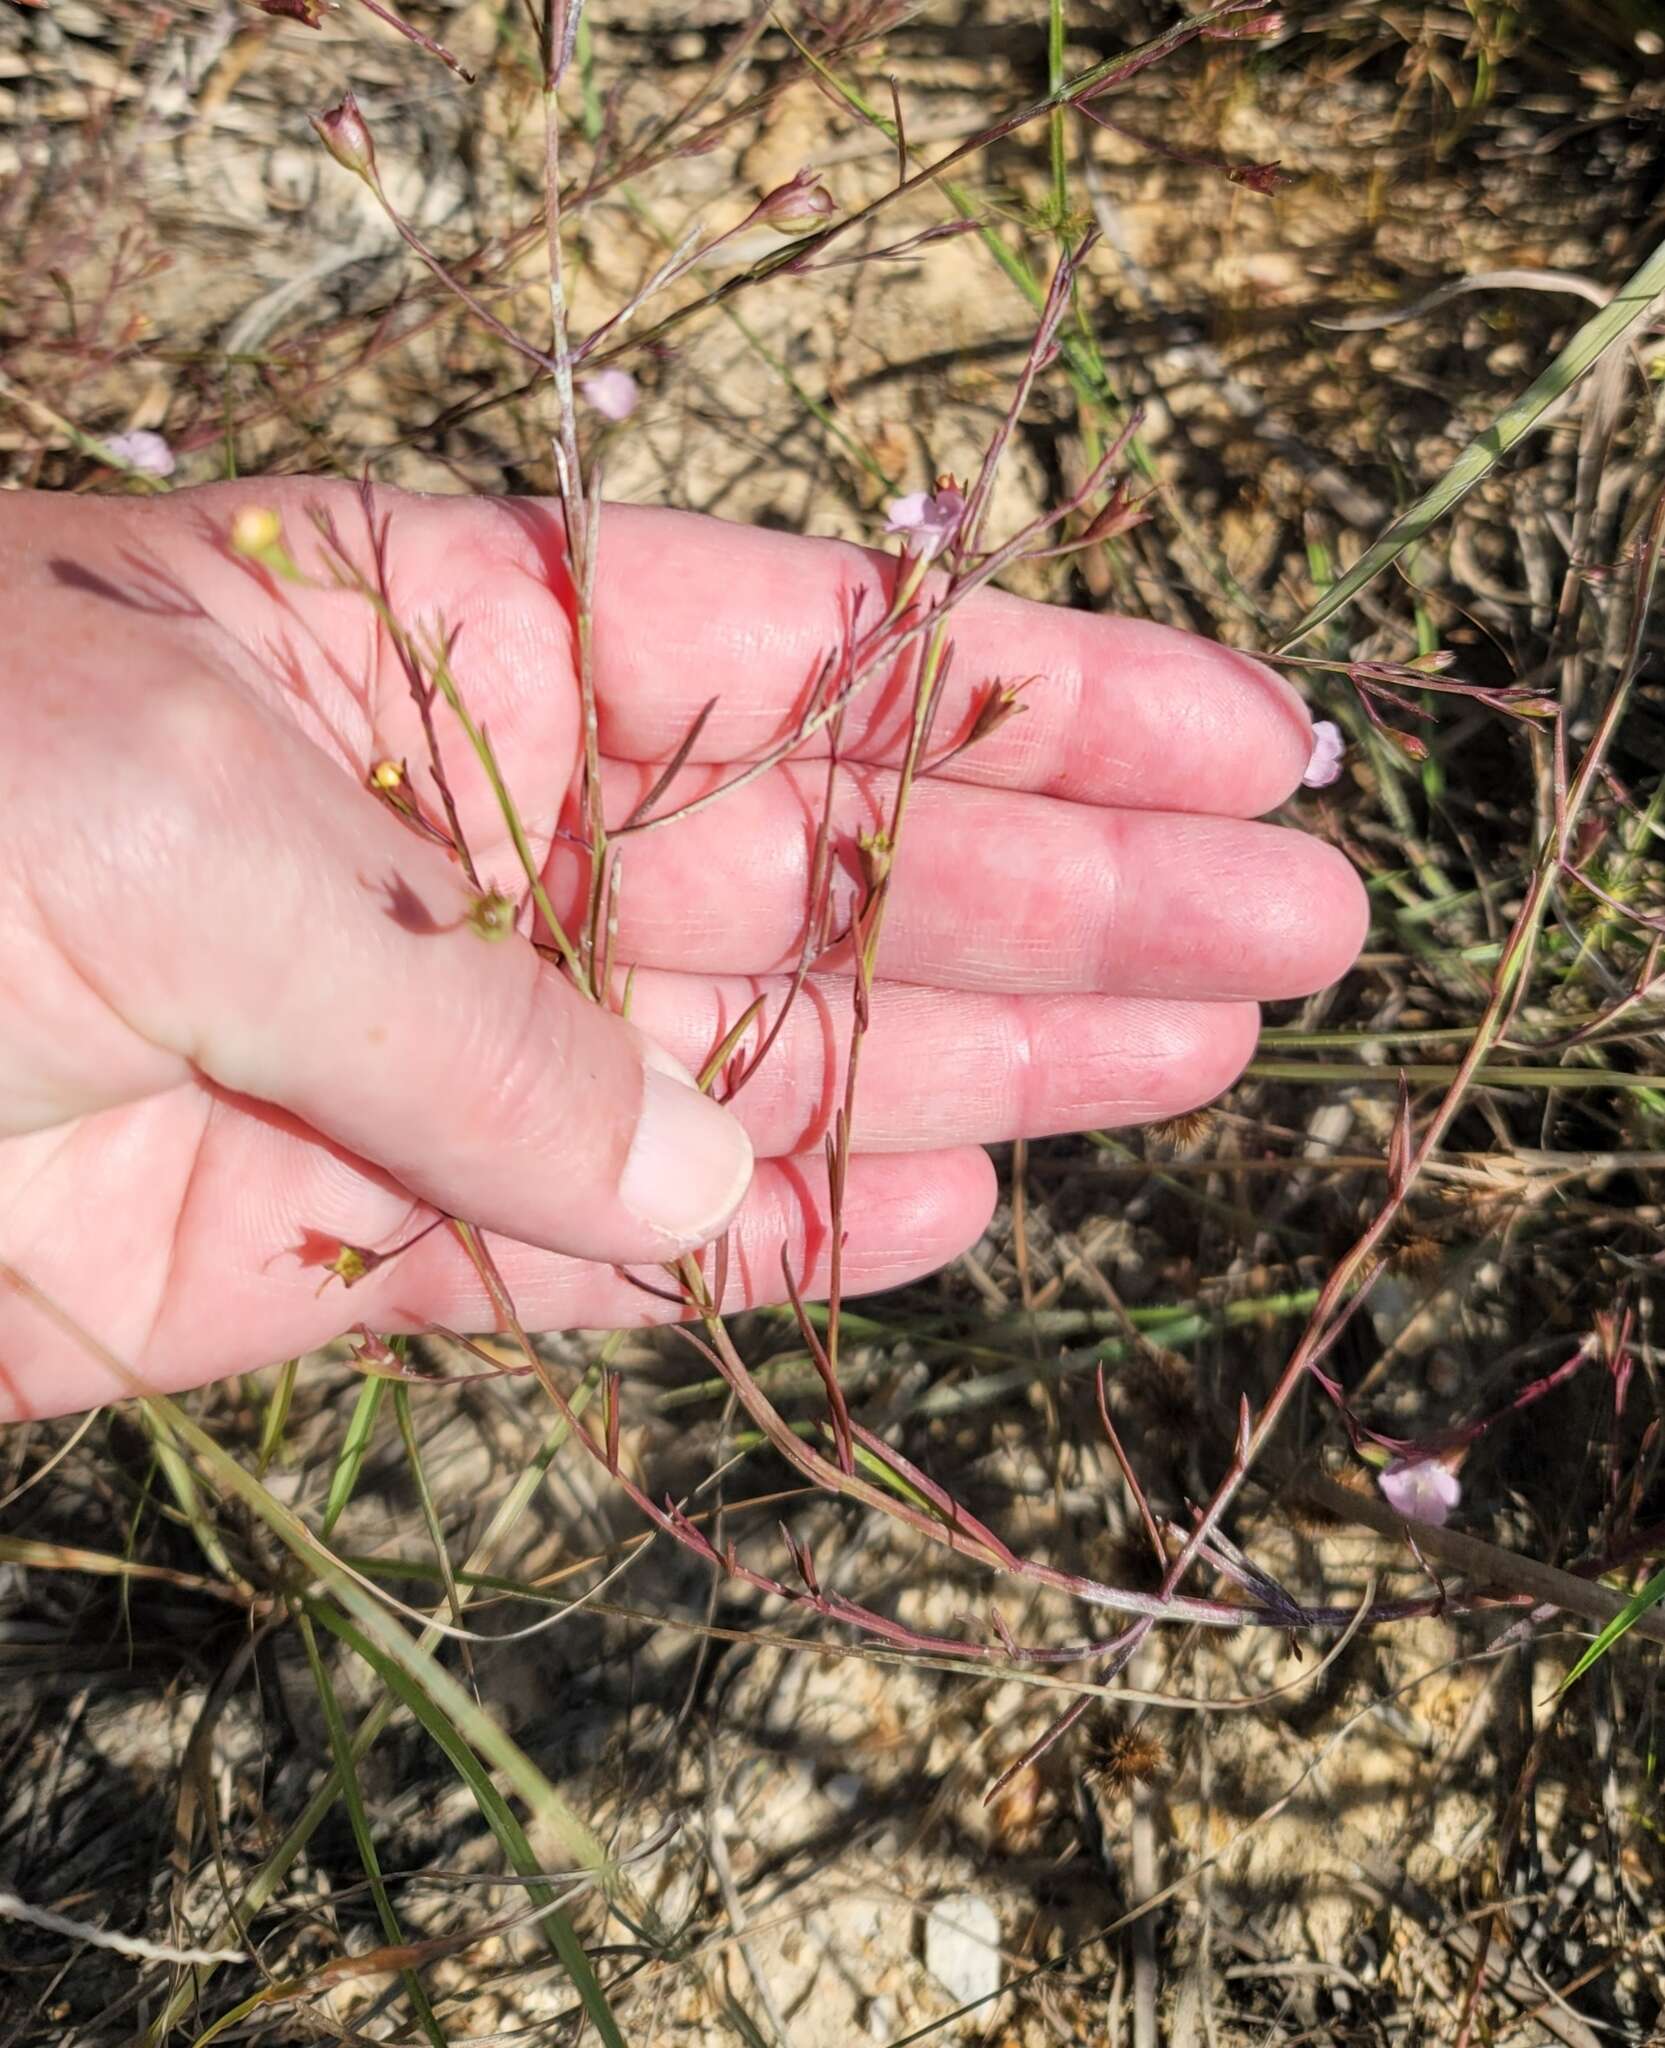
388, 774
255, 529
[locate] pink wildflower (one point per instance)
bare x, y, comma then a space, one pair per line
1420, 1489
613, 393
142, 450
927, 520
1328, 747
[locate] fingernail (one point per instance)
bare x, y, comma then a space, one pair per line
656, 1057
689, 1163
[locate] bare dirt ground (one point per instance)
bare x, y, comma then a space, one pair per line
1406, 1838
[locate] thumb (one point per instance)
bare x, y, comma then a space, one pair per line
295, 943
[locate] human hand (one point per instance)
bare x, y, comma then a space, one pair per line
245, 1018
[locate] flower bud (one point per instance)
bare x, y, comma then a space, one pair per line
257, 535
255, 529
874, 851
343, 132
1258, 177
309, 13
1000, 703
1119, 514
794, 208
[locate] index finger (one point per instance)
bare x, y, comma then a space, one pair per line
1119, 711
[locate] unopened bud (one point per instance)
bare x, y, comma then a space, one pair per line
1257, 177
344, 134
254, 529
802, 204
1000, 703
257, 535
309, 13
1119, 513
874, 851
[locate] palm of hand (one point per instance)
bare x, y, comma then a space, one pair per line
250, 1020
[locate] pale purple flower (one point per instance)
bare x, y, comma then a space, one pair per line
1420, 1489
613, 393
1328, 748
142, 450
929, 520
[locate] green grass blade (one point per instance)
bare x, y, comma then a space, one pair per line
399, 1648
1620, 317
1334, 1073
1057, 40
1626, 1619
350, 1463
352, 1797
262, 1887
430, 1514
277, 1415
187, 1494
498, 1815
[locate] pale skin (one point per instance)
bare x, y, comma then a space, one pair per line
244, 1018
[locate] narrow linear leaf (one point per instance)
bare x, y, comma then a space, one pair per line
432, 1678
352, 1797
1620, 317
1621, 1624
262, 1887
498, 1815
350, 1463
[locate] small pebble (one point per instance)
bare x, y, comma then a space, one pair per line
845, 1790
962, 1947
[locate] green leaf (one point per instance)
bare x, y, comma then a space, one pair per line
1625, 1620
352, 1794
260, 1889
1625, 312
350, 1463
499, 1816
